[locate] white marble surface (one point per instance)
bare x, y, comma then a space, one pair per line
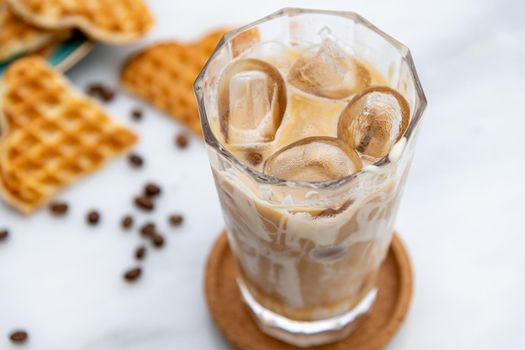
461, 217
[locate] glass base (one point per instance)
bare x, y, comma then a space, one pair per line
306, 333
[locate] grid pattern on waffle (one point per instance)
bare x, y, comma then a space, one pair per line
53, 135
116, 21
163, 74
17, 36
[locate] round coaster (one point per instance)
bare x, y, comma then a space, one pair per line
375, 330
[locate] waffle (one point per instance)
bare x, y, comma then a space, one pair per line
113, 22
52, 134
18, 37
163, 75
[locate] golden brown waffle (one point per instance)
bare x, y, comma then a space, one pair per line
114, 22
52, 134
18, 37
163, 75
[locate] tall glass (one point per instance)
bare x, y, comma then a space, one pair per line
309, 252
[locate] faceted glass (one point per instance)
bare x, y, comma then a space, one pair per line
309, 252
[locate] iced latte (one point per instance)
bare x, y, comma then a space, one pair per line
309, 142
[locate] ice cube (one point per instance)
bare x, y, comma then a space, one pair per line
243, 41
330, 72
373, 121
252, 101
249, 98
313, 159
276, 53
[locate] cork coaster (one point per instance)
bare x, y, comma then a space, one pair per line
235, 322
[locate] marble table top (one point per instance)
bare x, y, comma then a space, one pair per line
461, 216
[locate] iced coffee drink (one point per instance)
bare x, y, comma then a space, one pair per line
310, 134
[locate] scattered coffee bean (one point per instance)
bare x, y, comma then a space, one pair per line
144, 203
152, 190
127, 222
158, 240
58, 208
3, 235
100, 91
255, 158
132, 274
94, 89
93, 217
148, 229
107, 94
19, 337
136, 114
135, 160
140, 253
182, 141
176, 219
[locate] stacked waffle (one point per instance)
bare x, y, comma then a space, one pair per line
30, 25
51, 134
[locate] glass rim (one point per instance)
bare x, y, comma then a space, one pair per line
261, 178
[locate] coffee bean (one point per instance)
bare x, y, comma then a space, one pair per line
144, 203
255, 158
100, 91
107, 94
148, 229
127, 222
182, 141
158, 240
135, 160
3, 235
140, 253
94, 89
19, 336
176, 219
132, 274
58, 208
136, 114
152, 190
93, 217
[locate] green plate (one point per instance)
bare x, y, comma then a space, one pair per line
65, 54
